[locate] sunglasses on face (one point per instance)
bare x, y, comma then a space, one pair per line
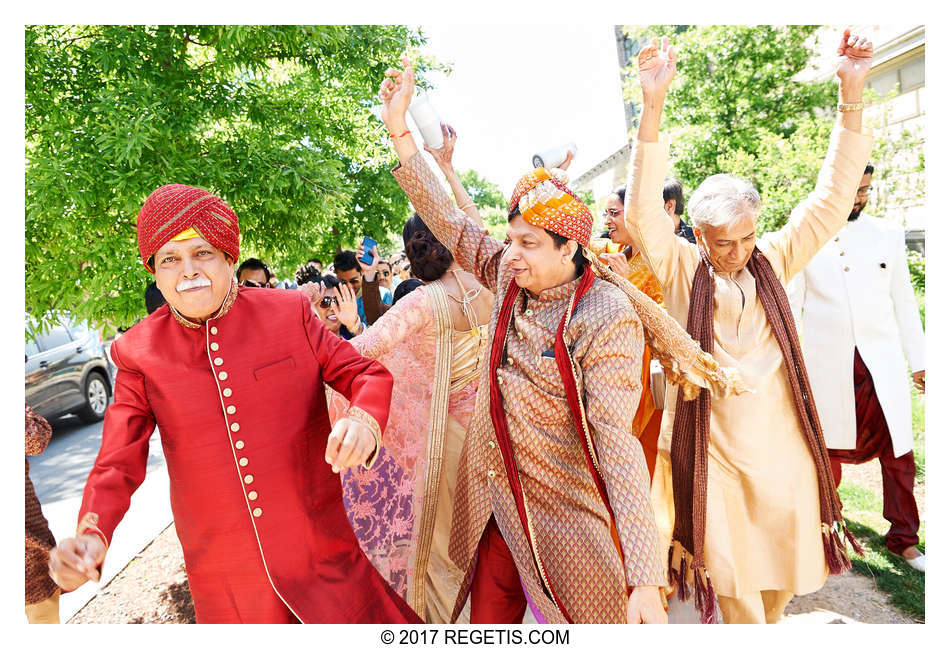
327, 301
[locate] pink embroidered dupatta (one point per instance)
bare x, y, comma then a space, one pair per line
392, 506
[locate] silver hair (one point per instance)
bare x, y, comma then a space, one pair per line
721, 199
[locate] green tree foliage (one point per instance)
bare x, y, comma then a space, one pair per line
736, 107
274, 119
484, 192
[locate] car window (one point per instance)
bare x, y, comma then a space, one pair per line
79, 330
56, 337
31, 348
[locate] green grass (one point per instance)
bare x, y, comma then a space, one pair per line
862, 509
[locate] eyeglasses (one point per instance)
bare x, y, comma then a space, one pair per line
611, 212
864, 191
327, 301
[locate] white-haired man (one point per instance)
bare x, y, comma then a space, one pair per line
743, 489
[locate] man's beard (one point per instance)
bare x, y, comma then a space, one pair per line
855, 213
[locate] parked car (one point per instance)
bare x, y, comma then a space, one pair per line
68, 371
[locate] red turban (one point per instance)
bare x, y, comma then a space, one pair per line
172, 209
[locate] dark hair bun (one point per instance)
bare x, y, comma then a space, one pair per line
428, 258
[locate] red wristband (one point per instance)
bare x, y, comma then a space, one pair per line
400, 135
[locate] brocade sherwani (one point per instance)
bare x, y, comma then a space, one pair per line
763, 529
240, 405
570, 525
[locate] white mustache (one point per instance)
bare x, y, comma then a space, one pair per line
198, 282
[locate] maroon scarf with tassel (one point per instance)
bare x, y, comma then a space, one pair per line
690, 443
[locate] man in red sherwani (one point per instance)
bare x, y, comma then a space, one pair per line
234, 379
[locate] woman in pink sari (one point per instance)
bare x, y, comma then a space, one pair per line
432, 341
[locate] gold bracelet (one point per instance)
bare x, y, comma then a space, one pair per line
466, 206
849, 108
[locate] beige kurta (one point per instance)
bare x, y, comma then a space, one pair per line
762, 521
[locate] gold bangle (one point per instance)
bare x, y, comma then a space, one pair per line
466, 206
849, 108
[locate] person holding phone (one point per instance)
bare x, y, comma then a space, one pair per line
346, 266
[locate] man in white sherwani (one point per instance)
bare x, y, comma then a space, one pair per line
860, 322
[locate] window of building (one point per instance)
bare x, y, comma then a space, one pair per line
904, 78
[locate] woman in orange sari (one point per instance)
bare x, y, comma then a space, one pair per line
623, 257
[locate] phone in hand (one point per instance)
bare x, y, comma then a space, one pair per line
368, 245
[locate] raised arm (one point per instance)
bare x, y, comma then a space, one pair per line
646, 220
443, 158
825, 210
474, 249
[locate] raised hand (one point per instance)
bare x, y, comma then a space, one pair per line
443, 155
345, 308
395, 93
855, 54
567, 161
370, 270
656, 65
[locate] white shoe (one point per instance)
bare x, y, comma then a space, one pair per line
917, 563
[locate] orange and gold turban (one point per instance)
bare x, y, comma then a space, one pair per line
544, 201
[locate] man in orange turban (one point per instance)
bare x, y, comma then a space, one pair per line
552, 507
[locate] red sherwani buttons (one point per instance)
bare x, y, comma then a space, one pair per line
218, 362
257, 512
231, 410
239, 445
235, 427
214, 347
214, 330
252, 495
222, 375
248, 478
226, 392
243, 461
